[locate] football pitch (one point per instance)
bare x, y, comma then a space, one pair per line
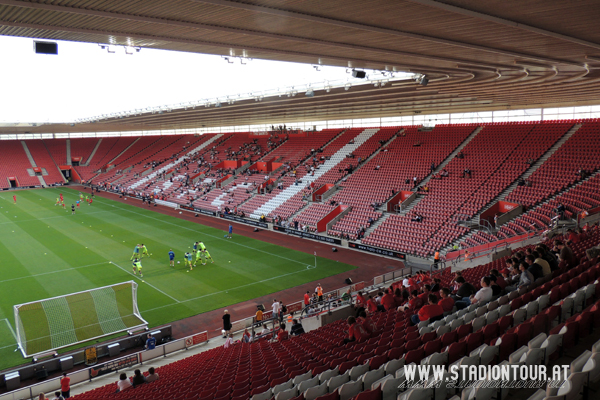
47, 252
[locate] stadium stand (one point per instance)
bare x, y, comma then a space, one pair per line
15, 164
524, 327
44, 160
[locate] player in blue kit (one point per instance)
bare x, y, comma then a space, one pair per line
171, 258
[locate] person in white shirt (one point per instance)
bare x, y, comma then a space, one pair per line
484, 294
123, 383
228, 342
405, 282
275, 307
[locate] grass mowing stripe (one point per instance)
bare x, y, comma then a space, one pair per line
207, 234
152, 286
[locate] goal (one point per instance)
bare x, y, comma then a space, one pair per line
50, 324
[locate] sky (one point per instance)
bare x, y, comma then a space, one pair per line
84, 80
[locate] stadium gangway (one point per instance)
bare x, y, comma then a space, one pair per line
320, 307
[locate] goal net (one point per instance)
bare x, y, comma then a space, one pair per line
58, 322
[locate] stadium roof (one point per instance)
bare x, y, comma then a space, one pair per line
476, 55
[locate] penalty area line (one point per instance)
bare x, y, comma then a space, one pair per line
149, 284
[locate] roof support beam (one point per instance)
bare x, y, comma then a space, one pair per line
502, 21
227, 3
371, 28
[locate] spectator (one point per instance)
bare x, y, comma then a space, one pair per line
372, 305
436, 285
276, 308
152, 376
387, 301
58, 396
548, 256
565, 254
482, 296
123, 383
360, 303
150, 342
405, 282
414, 302
229, 341
356, 332
306, 299
500, 282
259, 316
535, 269
246, 338
282, 334
226, 324
432, 311
446, 301
426, 291
367, 323
42, 396
465, 289
297, 328
398, 298
138, 378
546, 271
282, 310
65, 386
319, 291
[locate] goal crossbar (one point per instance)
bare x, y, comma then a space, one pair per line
54, 323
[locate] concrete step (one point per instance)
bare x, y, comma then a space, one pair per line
87, 162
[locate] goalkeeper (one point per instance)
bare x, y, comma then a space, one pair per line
144, 251
136, 252
137, 267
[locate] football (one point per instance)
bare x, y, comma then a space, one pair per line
177, 262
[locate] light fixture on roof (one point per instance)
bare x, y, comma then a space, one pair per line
218, 103
227, 59
359, 74
347, 86
422, 80
310, 93
317, 68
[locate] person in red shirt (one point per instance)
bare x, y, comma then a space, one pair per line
412, 282
15, 199
282, 334
425, 295
446, 301
371, 305
65, 382
573, 236
414, 302
367, 323
428, 312
387, 301
499, 279
306, 299
360, 303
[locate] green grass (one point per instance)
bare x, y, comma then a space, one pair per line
46, 252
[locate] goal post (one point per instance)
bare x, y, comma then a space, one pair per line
58, 322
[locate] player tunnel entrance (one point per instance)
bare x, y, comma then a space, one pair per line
12, 181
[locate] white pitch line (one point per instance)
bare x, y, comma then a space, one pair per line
11, 331
207, 234
52, 272
149, 284
227, 290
